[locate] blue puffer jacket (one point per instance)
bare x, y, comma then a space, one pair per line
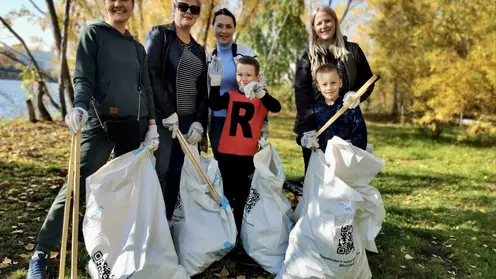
349, 126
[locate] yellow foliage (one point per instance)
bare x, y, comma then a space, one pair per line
437, 58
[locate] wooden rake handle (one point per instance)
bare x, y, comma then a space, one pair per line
347, 104
72, 186
189, 153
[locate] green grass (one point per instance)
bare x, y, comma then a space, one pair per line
440, 198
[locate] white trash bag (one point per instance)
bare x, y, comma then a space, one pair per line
266, 220
357, 168
125, 227
328, 240
206, 232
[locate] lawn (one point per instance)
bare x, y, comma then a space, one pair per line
440, 198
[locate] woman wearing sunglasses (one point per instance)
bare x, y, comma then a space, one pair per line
227, 52
178, 75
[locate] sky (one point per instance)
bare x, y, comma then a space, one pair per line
26, 29
29, 30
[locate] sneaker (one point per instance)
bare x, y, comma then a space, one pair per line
37, 266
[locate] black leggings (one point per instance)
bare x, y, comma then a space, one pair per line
235, 172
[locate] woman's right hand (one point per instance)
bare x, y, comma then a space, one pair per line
171, 123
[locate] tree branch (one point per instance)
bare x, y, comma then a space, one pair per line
38, 69
12, 57
345, 11
248, 16
14, 51
36, 7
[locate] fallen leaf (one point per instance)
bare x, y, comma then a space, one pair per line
224, 272
14, 227
6, 262
485, 246
53, 255
408, 257
29, 247
17, 231
402, 266
477, 255
473, 266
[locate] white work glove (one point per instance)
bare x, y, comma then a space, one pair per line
307, 141
171, 123
252, 90
76, 118
263, 142
195, 133
259, 91
215, 71
350, 95
151, 138
265, 130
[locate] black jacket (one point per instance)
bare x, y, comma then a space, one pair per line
306, 95
160, 41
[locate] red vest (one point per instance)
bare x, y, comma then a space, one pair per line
244, 121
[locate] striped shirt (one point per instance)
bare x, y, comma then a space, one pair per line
189, 70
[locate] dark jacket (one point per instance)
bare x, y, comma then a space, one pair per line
306, 95
160, 42
112, 68
349, 126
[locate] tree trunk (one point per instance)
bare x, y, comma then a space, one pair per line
271, 57
210, 9
141, 15
63, 59
396, 101
55, 23
58, 36
38, 69
44, 114
31, 113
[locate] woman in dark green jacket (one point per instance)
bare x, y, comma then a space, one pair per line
113, 102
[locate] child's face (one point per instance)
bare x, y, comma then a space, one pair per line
245, 74
329, 84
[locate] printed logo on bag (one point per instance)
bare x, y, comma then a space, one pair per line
217, 178
93, 215
113, 110
345, 245
178, 203
104, 271
253, 198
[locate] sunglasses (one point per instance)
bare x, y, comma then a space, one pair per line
184, 7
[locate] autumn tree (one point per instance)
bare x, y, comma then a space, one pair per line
437, 57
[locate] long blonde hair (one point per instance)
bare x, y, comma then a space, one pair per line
318, 48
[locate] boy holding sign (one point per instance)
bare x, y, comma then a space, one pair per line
246, 111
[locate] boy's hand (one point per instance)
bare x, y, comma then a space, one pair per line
259, 91
307, 141
265, 130
252, 90
350, 95
215, 71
